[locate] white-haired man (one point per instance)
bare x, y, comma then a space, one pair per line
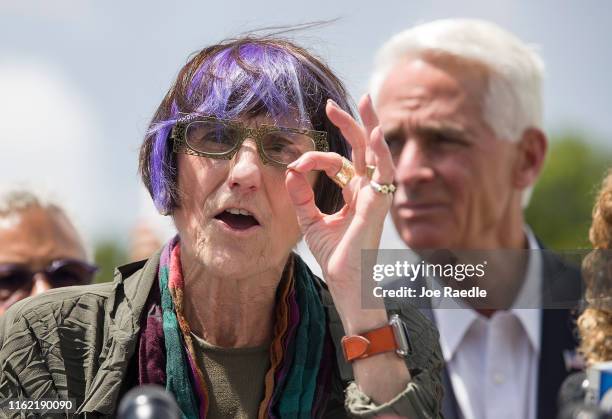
459, 102
39, 248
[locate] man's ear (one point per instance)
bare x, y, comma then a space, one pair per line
531, 154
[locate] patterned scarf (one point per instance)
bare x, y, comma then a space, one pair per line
301, 352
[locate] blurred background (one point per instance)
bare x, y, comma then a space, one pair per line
79, 81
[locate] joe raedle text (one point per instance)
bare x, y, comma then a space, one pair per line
426, 292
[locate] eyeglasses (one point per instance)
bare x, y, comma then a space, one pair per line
60, 273
216, 138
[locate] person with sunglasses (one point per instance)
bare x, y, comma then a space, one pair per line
248, 152
39, 248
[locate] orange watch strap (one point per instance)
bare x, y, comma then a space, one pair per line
370, 343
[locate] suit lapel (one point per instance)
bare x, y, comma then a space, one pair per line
561, 287
556, 337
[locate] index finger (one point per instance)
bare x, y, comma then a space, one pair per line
352, 131
368, 115
370, 122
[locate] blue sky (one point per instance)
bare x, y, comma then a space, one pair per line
80, 79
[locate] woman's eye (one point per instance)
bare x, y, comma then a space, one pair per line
279, 145
284, 147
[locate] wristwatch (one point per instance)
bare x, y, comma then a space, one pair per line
392, 337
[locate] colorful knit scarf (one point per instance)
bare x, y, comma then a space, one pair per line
301, 353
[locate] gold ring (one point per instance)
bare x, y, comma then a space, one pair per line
384, 188
370, 171
345, 174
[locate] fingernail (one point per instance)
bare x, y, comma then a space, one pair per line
369, 97
331, 102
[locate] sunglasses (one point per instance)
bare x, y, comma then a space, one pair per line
216, 138
59, 273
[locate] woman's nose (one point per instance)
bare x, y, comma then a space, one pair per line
246, 168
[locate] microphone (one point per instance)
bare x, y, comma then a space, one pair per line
571, 399
579, 410
573, 389
148, 402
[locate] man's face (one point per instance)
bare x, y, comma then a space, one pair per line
455, 178
33, 239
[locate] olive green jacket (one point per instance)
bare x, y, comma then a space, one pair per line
80, 343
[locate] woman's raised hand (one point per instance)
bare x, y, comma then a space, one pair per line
336, 240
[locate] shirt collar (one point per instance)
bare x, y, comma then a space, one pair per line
526, 306
453, 324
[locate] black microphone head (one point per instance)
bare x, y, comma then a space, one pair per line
573, 389
578, 410
148, 402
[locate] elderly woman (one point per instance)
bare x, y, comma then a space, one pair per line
247, 153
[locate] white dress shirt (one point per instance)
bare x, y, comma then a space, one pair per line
493, 362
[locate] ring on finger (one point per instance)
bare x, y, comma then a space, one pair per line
384, 188
345, 174
370, 171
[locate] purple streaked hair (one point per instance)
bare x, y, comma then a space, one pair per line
248, 76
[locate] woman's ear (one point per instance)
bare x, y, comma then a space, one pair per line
531, 155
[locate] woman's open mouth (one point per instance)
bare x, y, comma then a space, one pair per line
237, 219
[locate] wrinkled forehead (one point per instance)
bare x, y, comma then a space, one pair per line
434, 87
37, 232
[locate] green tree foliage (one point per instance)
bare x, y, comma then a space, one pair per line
561, 205
108, 255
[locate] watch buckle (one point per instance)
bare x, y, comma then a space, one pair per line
400, 332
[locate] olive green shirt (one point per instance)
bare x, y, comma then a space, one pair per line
234, 376
80, 343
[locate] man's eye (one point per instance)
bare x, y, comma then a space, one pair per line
395, 144
447, 139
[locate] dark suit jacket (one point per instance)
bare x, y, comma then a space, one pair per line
561, 292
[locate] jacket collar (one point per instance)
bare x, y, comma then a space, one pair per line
122, 315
